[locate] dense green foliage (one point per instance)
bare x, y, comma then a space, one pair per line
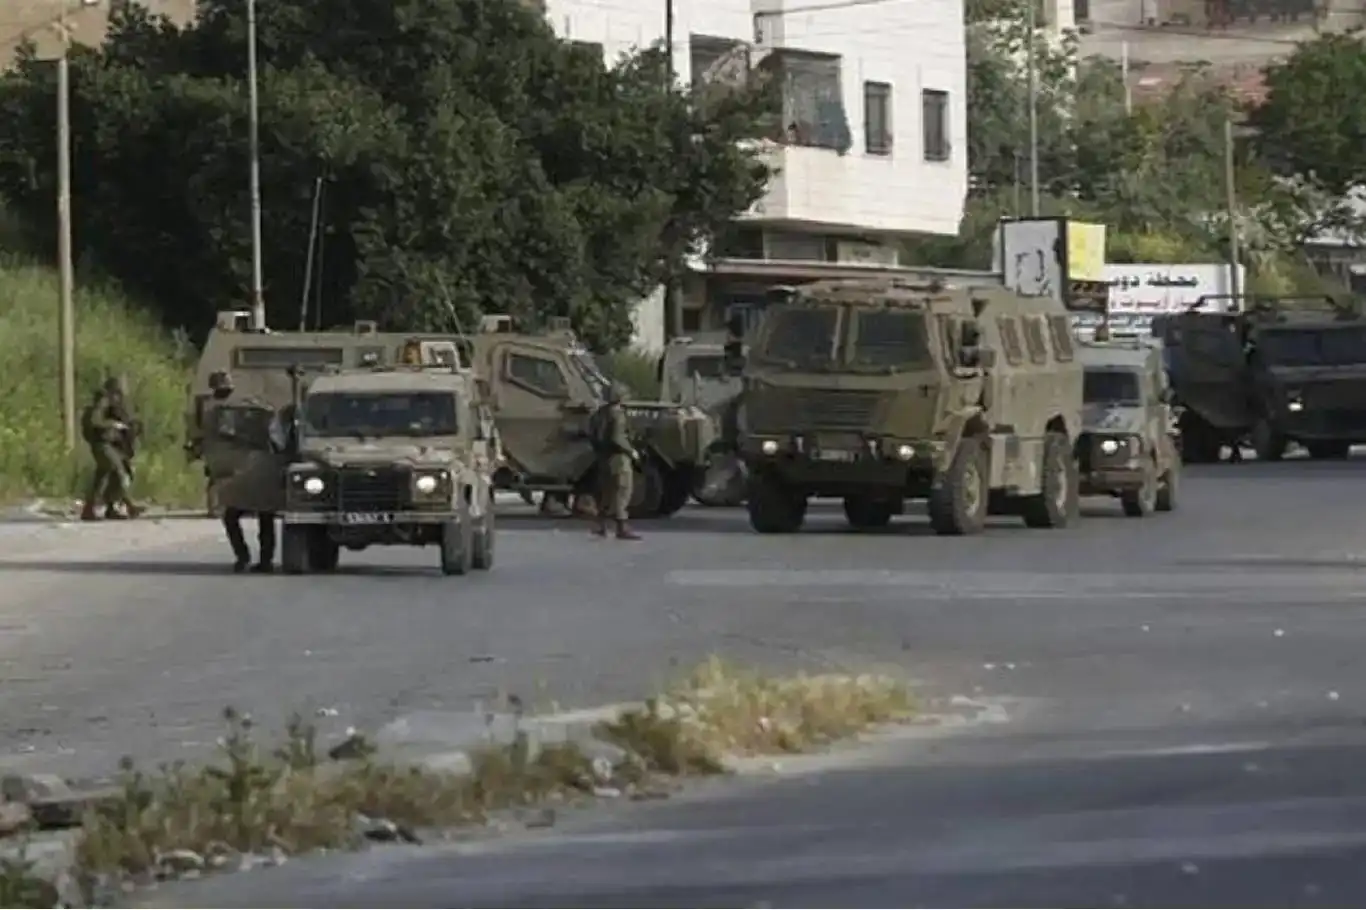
471, 162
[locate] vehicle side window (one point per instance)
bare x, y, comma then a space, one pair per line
1034, 339
1060, 328
948, 330
544, 377
1010, 340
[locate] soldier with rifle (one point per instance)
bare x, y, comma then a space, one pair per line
111, 432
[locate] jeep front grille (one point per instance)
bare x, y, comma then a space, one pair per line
371, 489
813, 409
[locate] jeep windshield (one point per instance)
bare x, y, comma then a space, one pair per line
799, 337
706, 366
367, 414
592, 374
888, 339
1110, 387
1328, 346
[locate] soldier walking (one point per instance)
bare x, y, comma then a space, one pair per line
616, 459
108, 428
246, 484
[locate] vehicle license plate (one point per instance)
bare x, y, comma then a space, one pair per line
367, 518
834, 455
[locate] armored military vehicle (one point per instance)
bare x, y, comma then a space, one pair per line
545, 387
1127, 447
696, 371
391, 455
884, 390
1279, 370
260, 362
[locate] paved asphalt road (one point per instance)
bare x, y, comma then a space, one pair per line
1186, 693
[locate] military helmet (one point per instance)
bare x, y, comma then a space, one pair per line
220, 381
114, 385
616, 393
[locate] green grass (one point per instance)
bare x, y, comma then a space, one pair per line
112, 337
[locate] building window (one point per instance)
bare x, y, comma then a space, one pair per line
934, 106
877, 118
813, 100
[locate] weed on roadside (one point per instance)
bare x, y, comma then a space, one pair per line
22, 886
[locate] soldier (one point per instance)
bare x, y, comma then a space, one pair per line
108, 429
244, 484
616, 465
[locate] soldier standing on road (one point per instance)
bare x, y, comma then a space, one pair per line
224, 395
615, 467
108, 429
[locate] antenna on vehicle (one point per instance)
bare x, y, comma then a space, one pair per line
314, 252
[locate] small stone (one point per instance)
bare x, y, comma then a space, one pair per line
14, 817
328, 712
356, 745
1333, 696
1146, 628
606, 792
544, 818
1279, 633
988, 666
1312, 890
180, 861
1190, 868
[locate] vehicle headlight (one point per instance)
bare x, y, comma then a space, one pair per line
314, 485
1110, 446
427, 483
769, 447
1295, 405
905, 452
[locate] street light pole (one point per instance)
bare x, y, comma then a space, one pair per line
1231, 191
66, 313
1032, 76
258, 300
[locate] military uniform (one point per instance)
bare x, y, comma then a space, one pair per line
616, 468
251, 489
108, 429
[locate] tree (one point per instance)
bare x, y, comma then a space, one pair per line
472, 161
1312, 123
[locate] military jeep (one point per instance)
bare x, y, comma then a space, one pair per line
884, 390
696, 371
1128, 442
545, 387
395, 455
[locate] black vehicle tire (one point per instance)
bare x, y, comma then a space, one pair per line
294, 549
866, 514
1329, 449
457, 546
1167, 488
647, 490
677, 490
1142, 502
482, 543
772, 507
1268, 442
958, 500
1056, 503
323, 553
1200, 443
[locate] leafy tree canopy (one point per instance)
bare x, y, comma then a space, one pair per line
471, 161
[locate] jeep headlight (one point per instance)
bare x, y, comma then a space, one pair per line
1294, 404
1109, 446
769, 447
314, 485
905, 452
426, 484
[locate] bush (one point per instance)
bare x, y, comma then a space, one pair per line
112, 337
636, 370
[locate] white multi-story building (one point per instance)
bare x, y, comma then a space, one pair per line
874, 138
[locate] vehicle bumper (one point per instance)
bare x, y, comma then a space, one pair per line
1110, 480
832, 464
366, 520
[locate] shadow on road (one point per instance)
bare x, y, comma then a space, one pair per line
192, 569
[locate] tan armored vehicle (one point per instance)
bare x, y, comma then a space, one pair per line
545, 387
1128, 441
391, 455
696, 371
879, 391
260, 365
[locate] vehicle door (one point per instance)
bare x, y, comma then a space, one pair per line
245, 465
1209, 367
543, 409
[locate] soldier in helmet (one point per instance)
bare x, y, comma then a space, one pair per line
616, 459
110, 431
245, 477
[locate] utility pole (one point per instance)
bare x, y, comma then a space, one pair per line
673, 292
1031, 70
1231, 189
1124, 74
258, 299
66, 314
